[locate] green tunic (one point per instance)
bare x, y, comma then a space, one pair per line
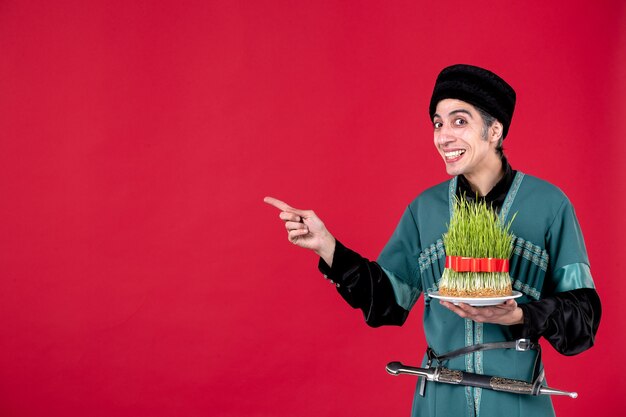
549, 256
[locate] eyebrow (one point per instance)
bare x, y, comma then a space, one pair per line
453, 112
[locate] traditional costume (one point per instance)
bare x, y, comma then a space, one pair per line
549, 266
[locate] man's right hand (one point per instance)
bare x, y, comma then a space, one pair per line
305, 229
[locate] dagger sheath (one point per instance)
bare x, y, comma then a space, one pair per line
450, 376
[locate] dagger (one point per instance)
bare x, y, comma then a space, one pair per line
450, 376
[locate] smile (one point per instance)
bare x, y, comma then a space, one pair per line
454, 154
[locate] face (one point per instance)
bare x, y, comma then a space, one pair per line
461, 139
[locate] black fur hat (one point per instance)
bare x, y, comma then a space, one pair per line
478, 87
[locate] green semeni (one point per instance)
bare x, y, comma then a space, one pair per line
476, 231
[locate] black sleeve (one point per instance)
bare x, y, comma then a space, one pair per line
364, 285
568, 320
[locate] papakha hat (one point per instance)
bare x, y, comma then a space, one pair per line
478, 87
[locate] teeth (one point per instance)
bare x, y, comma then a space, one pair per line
454, 154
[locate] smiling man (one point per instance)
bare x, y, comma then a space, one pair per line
471, 109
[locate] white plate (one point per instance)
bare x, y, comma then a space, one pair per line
473, 301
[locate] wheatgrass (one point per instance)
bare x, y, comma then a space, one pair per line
476, 231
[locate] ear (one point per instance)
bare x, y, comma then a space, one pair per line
495, 131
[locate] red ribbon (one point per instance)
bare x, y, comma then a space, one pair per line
464, 264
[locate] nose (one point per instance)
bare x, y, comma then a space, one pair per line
442, 137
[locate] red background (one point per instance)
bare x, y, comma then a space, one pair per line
141, 274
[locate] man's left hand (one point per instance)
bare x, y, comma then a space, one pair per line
507, 313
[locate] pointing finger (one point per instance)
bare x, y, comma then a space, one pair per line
281, 205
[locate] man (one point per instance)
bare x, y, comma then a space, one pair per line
471, 109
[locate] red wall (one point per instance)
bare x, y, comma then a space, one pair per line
142, 275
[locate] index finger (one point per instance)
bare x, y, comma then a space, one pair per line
281, 205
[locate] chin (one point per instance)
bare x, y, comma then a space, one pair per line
453, 171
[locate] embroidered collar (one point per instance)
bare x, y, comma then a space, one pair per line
498, 193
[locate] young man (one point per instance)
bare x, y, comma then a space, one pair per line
471, 110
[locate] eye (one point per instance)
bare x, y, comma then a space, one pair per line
459, 122
437, 125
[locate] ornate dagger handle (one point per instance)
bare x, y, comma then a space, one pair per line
450, 376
